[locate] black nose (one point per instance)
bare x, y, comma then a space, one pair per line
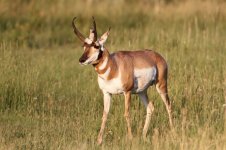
82, 59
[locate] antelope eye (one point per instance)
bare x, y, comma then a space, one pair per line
96, 46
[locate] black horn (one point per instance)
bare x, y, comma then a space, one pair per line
76, 31
93, 31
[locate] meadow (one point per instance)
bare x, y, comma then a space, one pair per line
49, 101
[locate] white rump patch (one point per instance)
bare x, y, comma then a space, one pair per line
143, 78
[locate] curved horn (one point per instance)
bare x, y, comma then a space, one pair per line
93, 32
80, 36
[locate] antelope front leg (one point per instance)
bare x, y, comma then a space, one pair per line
107, 102
127, 116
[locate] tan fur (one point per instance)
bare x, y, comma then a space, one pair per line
125, 72
126, 61
111, 63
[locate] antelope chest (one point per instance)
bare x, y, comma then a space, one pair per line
113, 86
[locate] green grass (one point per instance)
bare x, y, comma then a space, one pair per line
49, 101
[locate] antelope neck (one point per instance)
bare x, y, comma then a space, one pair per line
106, 68
103, 64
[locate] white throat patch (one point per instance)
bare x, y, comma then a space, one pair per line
106, 74
104, 64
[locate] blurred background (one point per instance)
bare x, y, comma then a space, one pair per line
49, 101
46, 23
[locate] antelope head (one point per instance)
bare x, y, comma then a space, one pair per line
93, 47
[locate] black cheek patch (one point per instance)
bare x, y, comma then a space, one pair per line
100, 54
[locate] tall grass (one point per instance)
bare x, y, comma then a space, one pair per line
49, 101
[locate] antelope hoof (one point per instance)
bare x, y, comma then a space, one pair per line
145, 138
99, 141
130, 137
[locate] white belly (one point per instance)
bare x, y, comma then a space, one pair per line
113, 86
143, 78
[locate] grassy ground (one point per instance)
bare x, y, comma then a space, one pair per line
49, 101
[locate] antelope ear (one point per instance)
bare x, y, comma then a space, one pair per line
104, 37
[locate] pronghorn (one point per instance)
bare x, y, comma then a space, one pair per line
125, 72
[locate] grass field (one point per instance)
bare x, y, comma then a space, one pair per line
49, 101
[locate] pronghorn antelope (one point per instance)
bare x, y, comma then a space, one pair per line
125, 72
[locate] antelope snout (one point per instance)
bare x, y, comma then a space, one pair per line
82, 59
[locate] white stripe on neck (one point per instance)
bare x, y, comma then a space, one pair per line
105, 75
104, 64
